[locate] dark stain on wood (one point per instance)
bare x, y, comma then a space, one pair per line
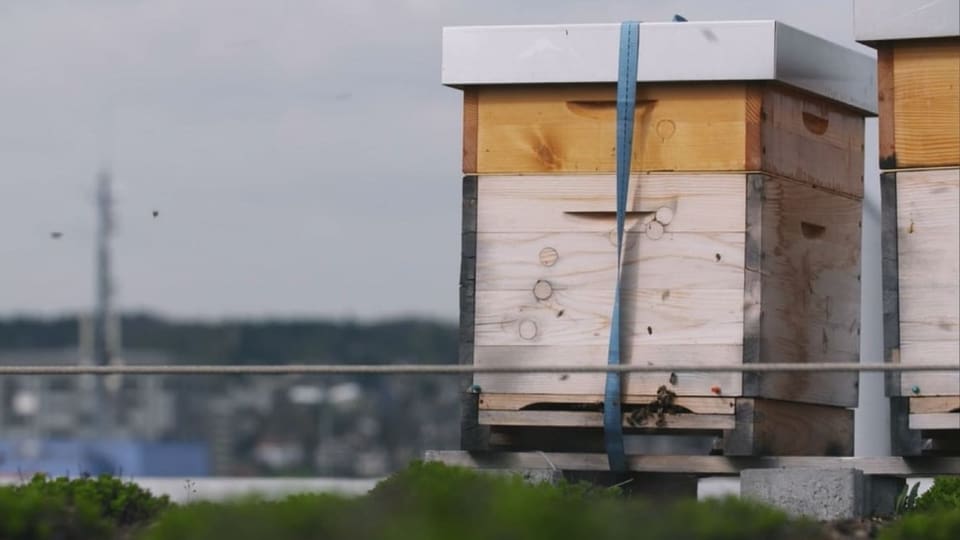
546, 152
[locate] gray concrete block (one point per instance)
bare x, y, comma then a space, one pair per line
815, 493
822, 494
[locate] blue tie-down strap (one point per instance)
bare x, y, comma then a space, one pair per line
626, 103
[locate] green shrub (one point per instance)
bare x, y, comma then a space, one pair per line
301, 516
31, 515
938, 525
81, 508
732, 519
123, 503
943, 495
429, 501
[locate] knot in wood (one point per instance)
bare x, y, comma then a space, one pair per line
548, 256
528, 329
542, 289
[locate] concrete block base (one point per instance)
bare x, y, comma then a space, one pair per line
822, 494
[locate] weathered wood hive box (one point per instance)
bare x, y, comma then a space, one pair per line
743, 229
918, 72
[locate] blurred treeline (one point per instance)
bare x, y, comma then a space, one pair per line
254, 341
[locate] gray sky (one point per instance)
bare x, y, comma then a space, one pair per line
303, 156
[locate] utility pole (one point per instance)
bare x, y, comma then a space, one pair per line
104, 348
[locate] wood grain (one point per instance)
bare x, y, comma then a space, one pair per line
753, 118
701, 203
685, 384
516, 261
582, 317
935, 421
935, 404
928, 225
572, 128
679, 127
931, 383
810, 291
926, 103
812, 140
516, 402
929, 314
470, 125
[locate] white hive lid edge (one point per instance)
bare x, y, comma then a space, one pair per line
669, 52
882, 20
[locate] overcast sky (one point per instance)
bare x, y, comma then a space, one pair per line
302, 155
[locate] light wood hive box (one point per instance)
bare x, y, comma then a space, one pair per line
918, 73
742, 243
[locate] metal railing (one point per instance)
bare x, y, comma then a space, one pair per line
454, 369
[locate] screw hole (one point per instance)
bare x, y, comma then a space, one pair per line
718, 257
650, 330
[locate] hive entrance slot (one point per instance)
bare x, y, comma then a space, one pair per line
812, 230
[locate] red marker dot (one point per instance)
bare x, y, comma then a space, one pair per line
715, 389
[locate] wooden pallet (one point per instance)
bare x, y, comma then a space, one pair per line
742, 426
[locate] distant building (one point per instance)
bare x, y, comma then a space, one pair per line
54, 423
26, 457
64, 406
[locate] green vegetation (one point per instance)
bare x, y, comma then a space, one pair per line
426, 501
943, 495
933, 515
434, 502
81, 508
940, 525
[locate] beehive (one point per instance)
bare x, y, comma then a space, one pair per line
918, 70
743, 228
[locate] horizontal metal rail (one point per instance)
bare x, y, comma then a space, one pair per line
454, 369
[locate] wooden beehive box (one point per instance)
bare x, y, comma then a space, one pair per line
918, 69
743, 228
